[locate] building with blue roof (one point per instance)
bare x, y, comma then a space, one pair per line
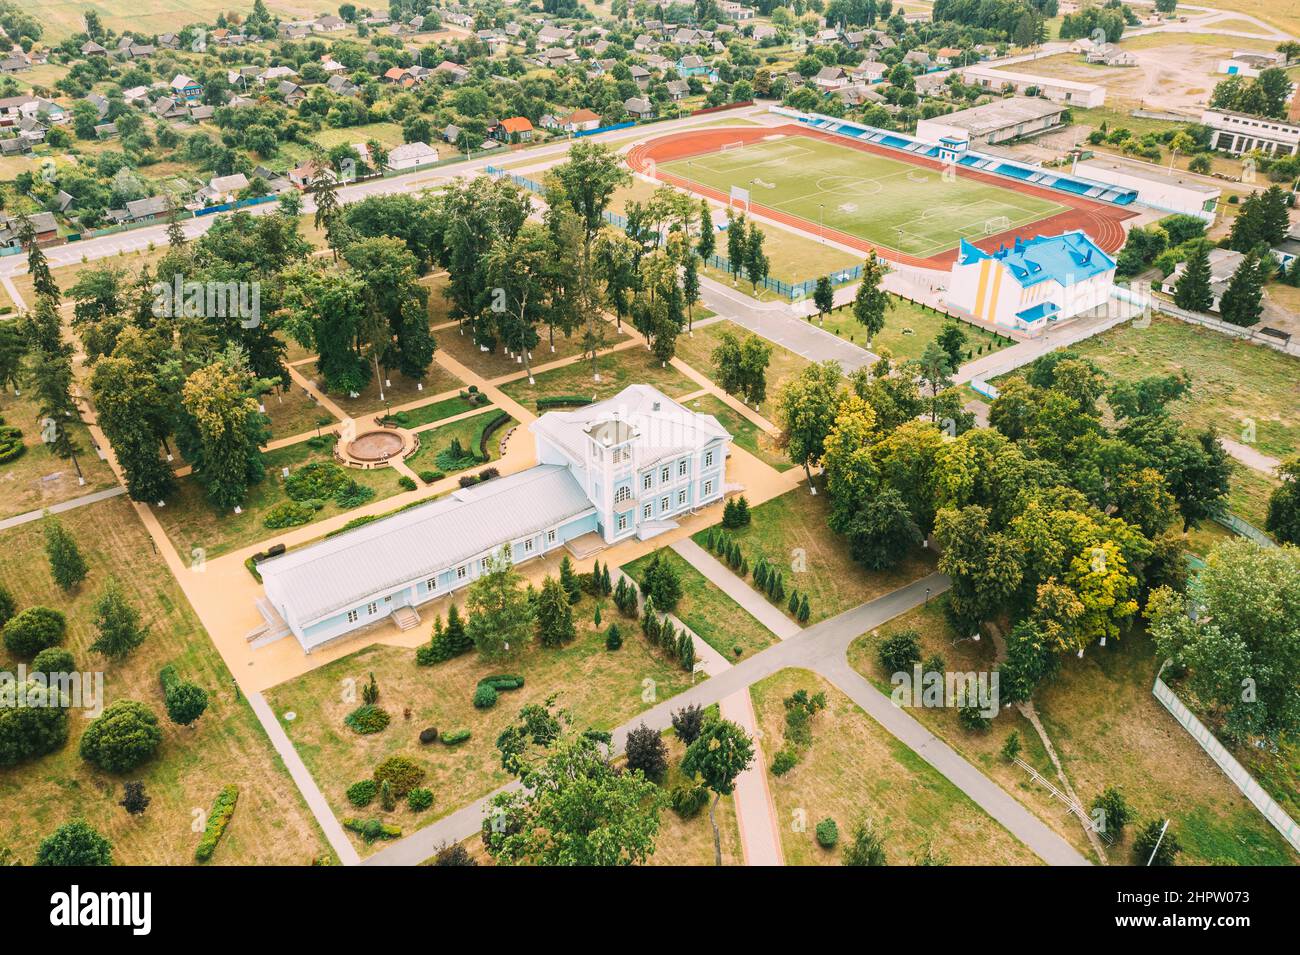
1032, 282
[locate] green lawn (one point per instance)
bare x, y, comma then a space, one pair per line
718, 620
744, 433
193, 523
908, 329
271, 825
434, 411
697, 351
790, 531
631, 366
468, 431
1108, 731
882, 200
601, 688
855, 768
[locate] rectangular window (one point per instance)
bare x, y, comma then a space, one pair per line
352, 616
483, 563
372, 609
708, 488
663, 504
646, 511
462, 572
432, 583
528, 546
681, 468
664, 475
708, 459
550, 537
622, 522
681, 498
646, 482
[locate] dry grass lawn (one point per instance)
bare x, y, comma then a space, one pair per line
1108, 730
271, 825
697, 351
717, 619
39, 478
855, 768
617, 370
791, 532
602, 689
498, 364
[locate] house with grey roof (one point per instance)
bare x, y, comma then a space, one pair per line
620, 469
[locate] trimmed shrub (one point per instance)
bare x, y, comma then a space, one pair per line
400, 772
316, 481
11, 443
367, 718
53, 660
486, 434
362, 794
785, 760
687, 801
353, 494
429, 735
32, 730
218, 819
405, 483
289, 514
125, 735
33, 630
419, 799
901, 651
372, 829
503, 682
431, 477
485, 697
454, 737
827, 833
74, 844
562, 401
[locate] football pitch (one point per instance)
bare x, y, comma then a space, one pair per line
884, 201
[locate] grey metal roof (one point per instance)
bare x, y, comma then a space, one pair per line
343, 571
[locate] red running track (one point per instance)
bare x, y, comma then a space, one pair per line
1102, 222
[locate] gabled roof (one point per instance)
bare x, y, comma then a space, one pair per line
1067, 259
516, 124
342, 571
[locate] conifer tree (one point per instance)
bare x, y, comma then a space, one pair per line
67, 566
1192, 290
554, 615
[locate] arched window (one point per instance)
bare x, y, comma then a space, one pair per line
622, 494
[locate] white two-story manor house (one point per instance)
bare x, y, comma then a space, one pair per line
618, 469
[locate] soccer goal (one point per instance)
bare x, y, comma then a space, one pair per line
996, 224
727, 147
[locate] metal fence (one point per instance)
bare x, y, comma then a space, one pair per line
1238, 774
1244, 528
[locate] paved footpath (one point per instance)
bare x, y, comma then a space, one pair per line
754, 603
760, 838
311, 794
62, 506
776, 322
822, 649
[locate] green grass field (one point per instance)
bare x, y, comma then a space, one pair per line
881, 200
